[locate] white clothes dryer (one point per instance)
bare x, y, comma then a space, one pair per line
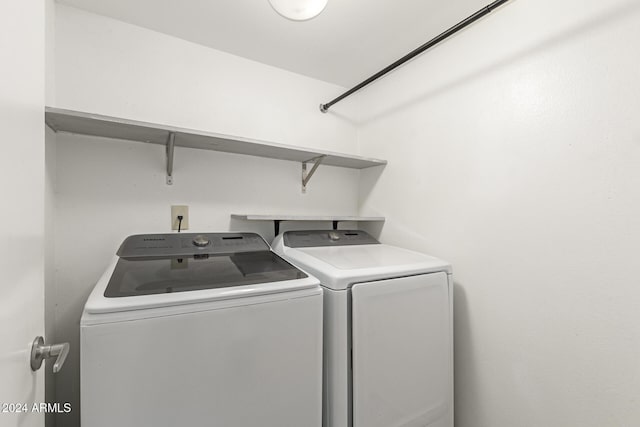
201, 330
388, 329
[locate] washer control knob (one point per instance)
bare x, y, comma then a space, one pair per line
201, 241
334, 236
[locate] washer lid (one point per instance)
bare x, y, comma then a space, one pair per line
155, 271
160, 275
98, 304
165, 263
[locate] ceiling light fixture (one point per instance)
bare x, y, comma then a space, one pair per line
298, 10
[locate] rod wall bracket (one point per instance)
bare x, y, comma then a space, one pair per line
306, 175
323, 108
171, 141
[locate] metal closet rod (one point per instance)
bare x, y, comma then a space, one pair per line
445, 35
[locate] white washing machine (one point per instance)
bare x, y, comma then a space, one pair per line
388, 327
201, 330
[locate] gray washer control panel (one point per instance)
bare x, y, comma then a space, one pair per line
176, 244
319, 238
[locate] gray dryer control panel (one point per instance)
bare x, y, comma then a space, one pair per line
320, 238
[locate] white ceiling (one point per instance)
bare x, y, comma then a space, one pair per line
348, 42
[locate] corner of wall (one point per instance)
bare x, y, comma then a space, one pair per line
49, 261
50, 57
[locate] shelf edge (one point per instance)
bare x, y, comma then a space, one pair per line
274, 150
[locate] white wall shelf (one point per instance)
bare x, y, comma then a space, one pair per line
277, 219
83, 123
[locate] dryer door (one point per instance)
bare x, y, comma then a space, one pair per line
402, 352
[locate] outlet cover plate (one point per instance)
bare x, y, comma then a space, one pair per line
177, 210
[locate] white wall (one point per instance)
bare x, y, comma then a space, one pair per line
107, 189
109, 67
516, 146
22, 210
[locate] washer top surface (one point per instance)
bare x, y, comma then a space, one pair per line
341, 258
159, 270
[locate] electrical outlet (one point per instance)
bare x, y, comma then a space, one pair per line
176, 211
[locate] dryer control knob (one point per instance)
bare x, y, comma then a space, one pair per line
201, 241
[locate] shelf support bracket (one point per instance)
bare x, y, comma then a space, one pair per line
306, 176
171, 141
276, 226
